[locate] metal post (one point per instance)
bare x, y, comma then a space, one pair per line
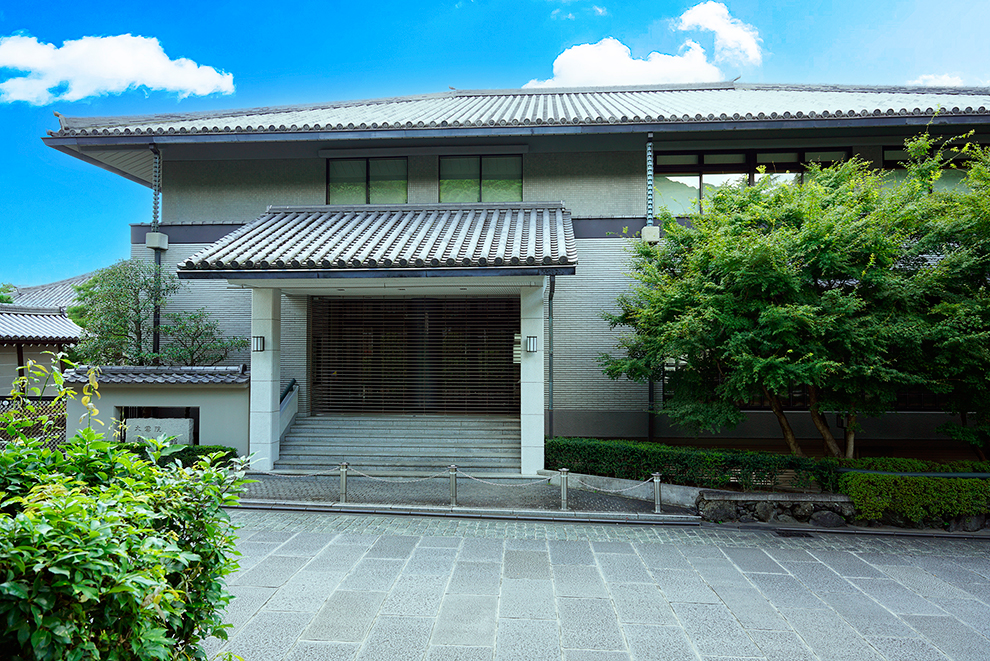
343, 482
453, 485
656, 493
563, 489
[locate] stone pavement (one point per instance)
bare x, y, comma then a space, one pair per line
326, 586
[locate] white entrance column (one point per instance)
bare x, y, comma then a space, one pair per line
531, 378
266, 322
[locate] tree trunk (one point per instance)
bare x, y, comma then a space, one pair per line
821, 424
850, 436
785, 426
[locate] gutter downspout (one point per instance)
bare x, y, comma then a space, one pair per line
553, 285
156, 185
650, 233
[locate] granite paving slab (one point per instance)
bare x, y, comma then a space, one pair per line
328, 586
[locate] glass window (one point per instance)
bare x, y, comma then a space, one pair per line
501, 179
366, 181
480, 179
679, 193
780, 177
709, 182
460, 179
387, 181
346, 182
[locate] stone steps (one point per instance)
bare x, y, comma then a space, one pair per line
403, 445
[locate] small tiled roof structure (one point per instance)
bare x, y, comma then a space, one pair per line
394, 239
59, 294
27, 325
542, 107
237, 374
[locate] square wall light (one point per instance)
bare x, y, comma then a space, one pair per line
531, 344
258, 343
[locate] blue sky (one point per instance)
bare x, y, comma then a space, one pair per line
61, 217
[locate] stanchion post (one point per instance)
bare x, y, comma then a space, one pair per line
563, 489
453, 485
656, 493
343, 482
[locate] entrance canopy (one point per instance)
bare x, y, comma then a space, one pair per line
406, 240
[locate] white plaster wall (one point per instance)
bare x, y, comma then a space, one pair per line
8, 366
226, 191
223, 409
601, 185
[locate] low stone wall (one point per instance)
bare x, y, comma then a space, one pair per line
820, 509
670, 494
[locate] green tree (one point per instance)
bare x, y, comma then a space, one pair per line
844, 285
5, 292
195, 338
116, 311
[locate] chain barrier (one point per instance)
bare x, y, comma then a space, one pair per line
507, 486
575, 480
452, 472
354, 471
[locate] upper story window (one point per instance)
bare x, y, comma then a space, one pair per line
367, 181
683, 180
480, 179
951, 179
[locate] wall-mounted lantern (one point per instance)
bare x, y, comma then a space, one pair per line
258, 343
531, 344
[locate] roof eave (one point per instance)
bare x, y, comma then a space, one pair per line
65, 143
311, 274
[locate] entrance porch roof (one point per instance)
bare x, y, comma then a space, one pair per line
528, 238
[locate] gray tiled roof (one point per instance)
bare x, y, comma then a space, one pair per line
396, 237
718, 102
36, 325
162, 375
53, 295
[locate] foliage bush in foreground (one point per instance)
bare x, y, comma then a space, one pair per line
107, 555
186, 455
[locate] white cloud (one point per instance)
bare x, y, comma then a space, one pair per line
937, 80
599, 11
735, 42
559, 15
95, 66
610, 62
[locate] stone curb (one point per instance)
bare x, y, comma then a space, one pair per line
474, 512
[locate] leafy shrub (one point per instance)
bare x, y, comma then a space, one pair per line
186, 455
915, 498
713, 469
104, 554
903, 465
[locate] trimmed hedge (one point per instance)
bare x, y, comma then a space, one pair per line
186, 454
713, 469
917, 499
903, 465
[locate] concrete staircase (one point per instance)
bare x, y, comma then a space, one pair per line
407, 445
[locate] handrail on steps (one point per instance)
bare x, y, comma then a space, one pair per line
287, 390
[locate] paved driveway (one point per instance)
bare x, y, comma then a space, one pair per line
321, 587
